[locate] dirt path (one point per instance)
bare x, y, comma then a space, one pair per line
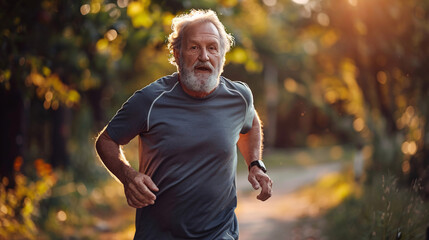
286, 215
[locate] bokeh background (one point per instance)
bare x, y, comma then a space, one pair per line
334, 81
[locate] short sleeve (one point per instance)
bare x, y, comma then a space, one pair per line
250, 109
130, 120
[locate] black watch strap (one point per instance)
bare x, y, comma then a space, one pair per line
259, 164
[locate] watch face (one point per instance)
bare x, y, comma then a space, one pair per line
261, 164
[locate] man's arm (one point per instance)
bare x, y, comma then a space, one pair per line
138, 187
250, 146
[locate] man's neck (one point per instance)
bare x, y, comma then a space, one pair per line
195, 94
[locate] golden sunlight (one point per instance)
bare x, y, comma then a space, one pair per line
95, 7
18, 163
323, 19
228, 3
409, 148
310, 47
410, 111
134, 9
46, 104
122, 3
358, 124
406, 167
85, 9
412, 147
382, 77
290, 85
302, 2
237, 55
353, 2
61, 216
111, 34
270, 3
102, 45
331, 96
48, 96
329, 38
3, 209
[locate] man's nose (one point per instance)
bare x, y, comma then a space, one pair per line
204, 56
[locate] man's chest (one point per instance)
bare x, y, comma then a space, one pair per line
189, 126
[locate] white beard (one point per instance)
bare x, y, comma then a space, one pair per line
203, 83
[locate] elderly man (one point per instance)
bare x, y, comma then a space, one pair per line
189, 124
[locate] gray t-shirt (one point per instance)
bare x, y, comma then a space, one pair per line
188, 147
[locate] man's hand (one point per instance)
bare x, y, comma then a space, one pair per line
259, 179
139, 189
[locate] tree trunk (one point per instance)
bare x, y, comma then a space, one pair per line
60, 135
271, 98
11, 138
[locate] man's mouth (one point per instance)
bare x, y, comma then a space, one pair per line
203, 69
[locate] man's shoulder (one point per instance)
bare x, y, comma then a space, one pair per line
163, 84
242, 87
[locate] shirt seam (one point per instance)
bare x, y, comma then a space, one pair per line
156, 99
227, 233
245, 101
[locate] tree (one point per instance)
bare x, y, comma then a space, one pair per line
372, 62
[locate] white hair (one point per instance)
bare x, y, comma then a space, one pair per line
182, 21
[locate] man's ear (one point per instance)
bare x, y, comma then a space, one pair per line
176, 55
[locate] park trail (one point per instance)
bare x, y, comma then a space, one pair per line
287, 215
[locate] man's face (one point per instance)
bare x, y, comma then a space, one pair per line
201, 58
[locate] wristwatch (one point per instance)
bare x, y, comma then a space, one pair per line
259, 164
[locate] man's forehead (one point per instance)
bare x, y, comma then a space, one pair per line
201, 29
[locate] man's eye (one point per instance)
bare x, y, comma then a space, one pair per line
194, 47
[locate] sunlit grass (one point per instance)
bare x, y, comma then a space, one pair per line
331, 190
385, 209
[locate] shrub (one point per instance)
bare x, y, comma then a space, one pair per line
18, 205
383, 211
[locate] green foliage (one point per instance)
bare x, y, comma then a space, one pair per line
20, 205
384, 211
